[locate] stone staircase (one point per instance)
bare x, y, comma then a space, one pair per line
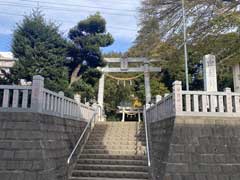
114, 151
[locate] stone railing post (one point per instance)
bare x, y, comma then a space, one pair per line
97, 110
158, 98
166, 94
229, 107
61, 105
37, 93
77, 98
148, 105
177, 97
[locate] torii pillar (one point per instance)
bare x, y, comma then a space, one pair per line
101, 92
147, 81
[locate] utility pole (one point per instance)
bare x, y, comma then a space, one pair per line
185, 44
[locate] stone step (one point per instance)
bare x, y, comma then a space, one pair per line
136, 139
114, 133
118, 127
113, 147
118, 135
97, 178
120, 123
102, 167
113, 162
131, 127
123, 128
95, 142
118, 132
109, 156
114, 152
110, 174
116, 143
134, 128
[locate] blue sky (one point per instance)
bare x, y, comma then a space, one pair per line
121, 17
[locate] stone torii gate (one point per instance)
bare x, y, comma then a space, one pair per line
124, 68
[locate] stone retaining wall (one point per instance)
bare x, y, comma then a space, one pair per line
35, 146
160, 134
196, 148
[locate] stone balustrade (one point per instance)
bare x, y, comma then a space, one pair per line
195, 103
36, 98
161, 110
15, 97
225, 103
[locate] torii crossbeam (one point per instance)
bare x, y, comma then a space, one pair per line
124, 68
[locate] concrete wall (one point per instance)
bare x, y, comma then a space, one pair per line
196, 148
35, 146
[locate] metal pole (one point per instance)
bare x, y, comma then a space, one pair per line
185, 45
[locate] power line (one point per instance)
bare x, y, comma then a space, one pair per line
60, 9
105, 2
110, 27
63, 4
76, 5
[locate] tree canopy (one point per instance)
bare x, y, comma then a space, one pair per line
87, 37
85, 56
203, 17
212, 28
40, 50
68, 65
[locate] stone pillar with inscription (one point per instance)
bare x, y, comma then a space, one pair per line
210, 73
210, 79
236, 77
177, 97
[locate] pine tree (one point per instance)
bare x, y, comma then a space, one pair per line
87, 38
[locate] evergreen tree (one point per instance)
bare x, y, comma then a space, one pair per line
87, 38
40, 50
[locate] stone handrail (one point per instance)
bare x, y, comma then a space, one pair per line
15, 96
36, 98
195, 103
211, 102
163, 107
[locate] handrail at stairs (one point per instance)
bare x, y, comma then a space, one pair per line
81, 137
147, 140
